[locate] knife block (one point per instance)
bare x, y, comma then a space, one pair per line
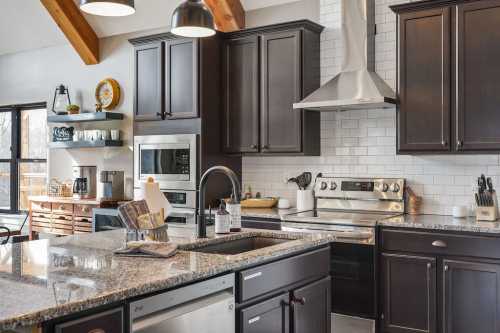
485, 213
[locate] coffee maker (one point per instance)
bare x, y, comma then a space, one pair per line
84, 182
111, 184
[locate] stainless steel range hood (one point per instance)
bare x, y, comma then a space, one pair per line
357, 86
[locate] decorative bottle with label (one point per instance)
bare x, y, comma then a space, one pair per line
234, 209
222, 220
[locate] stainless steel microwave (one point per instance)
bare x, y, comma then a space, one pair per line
170, 159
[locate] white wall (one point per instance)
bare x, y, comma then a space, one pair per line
32, 77
302, 9
363, 143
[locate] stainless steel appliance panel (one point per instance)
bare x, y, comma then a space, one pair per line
206, 306
170, 159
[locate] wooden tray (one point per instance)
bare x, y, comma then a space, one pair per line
259, 203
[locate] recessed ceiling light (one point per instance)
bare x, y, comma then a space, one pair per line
108, 7
193, 19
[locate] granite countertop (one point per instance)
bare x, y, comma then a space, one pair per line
441, 222
46, 279
267, 213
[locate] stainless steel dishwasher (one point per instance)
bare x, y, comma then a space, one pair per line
206, 307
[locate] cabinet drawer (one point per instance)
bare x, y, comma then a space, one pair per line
37, 206
62, 208
263, 279
84, 210
262, 317
441, 243
109, 322
39, 215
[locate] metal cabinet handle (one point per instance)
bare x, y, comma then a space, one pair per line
459, 144
254, 320
300, 300
444, 143
429, 265
446, 268
265, 147
252, 276
253, 146
439, 243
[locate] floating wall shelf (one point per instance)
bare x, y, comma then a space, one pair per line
85, 117
85, 144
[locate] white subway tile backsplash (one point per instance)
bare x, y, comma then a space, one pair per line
362, 143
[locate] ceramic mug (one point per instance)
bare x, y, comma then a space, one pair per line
115, 134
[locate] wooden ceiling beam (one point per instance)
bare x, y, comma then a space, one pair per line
229, 15
78, 31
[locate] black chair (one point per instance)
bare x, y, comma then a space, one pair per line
7, 230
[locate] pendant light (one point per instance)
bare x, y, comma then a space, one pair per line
193, 19
108, 7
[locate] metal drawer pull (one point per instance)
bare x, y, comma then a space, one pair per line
254, 320
252, 276
439, 243
446, 268
301, 300
429, 265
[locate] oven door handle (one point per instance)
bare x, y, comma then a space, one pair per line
182, 213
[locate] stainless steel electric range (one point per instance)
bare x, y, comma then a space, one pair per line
349, 208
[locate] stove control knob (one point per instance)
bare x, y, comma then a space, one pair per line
324, 186
385, 187
395, 187
333, 186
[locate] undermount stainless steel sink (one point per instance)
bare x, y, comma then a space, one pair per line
243, 245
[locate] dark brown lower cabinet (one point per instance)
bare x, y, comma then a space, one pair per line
409, 294
271, 316
439, 294
311, 308
303, 310
471, 297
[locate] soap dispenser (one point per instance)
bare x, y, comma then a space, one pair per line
222, 219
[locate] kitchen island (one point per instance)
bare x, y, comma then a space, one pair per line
46, 280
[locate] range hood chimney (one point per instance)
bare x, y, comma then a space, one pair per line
357, 86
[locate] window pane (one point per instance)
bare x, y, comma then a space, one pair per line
5, 186
34, 134
32, 181
5, 135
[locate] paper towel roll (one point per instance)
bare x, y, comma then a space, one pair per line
156, 200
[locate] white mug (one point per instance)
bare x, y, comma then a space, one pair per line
115, 134
305, 200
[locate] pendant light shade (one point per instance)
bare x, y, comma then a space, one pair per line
193, 19
108, 7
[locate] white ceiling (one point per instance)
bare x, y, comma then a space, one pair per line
26, 25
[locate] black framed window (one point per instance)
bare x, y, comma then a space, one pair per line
23, 155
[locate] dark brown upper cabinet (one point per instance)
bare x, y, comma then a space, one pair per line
175, 76
424, 80
266, 70
181, 78
478, 97
448, 76
241, 95
148, 87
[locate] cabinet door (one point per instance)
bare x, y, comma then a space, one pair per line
424, 81
271, 316
312, 308
408, 294
471, 297
281, 125
478, 39
181, 86
241, 95
148, 97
